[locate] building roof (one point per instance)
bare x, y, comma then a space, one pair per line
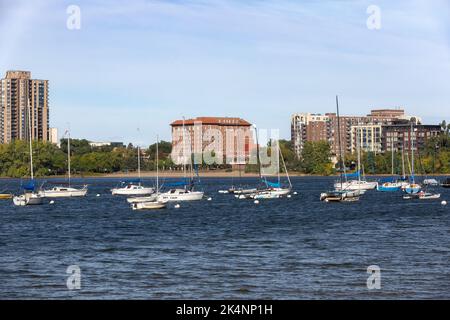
220, 121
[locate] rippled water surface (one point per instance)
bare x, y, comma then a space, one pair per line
297, 248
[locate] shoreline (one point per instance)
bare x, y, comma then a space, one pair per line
202, 174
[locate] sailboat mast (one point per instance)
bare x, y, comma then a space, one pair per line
392, 160
339, 140
359, 153
68, 155
285, 169
31, 144
184, 152
403, 163
278, 160
139, 164
257, 154
412, 153
157, 165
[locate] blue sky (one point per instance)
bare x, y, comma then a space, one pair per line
142, 64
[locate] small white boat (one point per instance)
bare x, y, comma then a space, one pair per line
422, 196
340, 196
149, 205
150, 198
244, 191
61, 192
180, 195
265, 195
132, 189
430, 182
27, 199
354, 185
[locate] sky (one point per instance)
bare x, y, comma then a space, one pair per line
135, 66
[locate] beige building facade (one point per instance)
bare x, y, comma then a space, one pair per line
23, 106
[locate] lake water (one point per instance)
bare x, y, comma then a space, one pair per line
297, 248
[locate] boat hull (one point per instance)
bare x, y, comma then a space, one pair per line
340, 196
150, 198
412, 188
389, 187
355, 185
131, 192
180, 196
150, 205
27, 199
63, 193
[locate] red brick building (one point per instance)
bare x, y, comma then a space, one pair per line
229, 140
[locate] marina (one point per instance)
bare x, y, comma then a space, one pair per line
290, 248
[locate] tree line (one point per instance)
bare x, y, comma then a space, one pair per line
49, 159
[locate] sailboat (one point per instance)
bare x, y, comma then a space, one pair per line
150, 202
391, 186
130, 188
412, 187
63, 191
29, 197
275, 190
239, 189
341, 194
356, 184
187, 193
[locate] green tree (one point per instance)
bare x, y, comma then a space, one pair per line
316, 158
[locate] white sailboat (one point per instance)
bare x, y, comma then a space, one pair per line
129, 188
65, 191
412, 187
393, 185
275, 190
356, 184
341, 194
187, 193
151, 202
29, 197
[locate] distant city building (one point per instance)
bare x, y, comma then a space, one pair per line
367, 137
53, 135
399, 136
308, 127
230, 138
23, 101
369, 129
